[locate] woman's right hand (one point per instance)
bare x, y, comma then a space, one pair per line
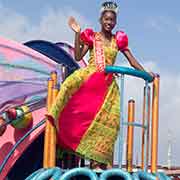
74, 25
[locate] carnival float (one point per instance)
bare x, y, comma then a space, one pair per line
30, 78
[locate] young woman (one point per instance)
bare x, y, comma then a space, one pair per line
87, 108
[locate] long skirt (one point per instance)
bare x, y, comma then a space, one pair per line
86, 114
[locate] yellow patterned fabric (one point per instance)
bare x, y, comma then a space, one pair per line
98, 141
68, 88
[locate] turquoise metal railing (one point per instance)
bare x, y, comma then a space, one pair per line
79, 171
129, 71
59, 174
45, 174
115, 173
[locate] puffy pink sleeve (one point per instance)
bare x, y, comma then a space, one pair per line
87, 36
121, 40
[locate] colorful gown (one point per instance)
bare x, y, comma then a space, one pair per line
86, 111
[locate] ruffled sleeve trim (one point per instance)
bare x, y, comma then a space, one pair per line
87, 36
121, 40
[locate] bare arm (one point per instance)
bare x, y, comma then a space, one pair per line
134, 63
131, 59
80, 49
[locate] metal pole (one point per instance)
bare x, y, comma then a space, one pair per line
130, 135
146, 125
63, 72
50, 132
145, 128
120, 137
155, 122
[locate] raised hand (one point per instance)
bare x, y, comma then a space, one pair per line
74, 25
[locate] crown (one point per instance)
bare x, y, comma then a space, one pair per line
109, 6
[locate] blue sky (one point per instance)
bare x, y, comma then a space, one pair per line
153, 28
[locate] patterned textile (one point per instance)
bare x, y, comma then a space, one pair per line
87, 108
99, 52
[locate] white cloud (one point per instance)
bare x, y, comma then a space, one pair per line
169, 113
178, 28
52, 26
154, 24
162, 23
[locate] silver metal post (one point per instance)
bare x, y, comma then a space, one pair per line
120, 137
146, 124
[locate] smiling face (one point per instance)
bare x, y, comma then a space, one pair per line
108, 21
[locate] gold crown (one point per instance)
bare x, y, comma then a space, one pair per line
109, 6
